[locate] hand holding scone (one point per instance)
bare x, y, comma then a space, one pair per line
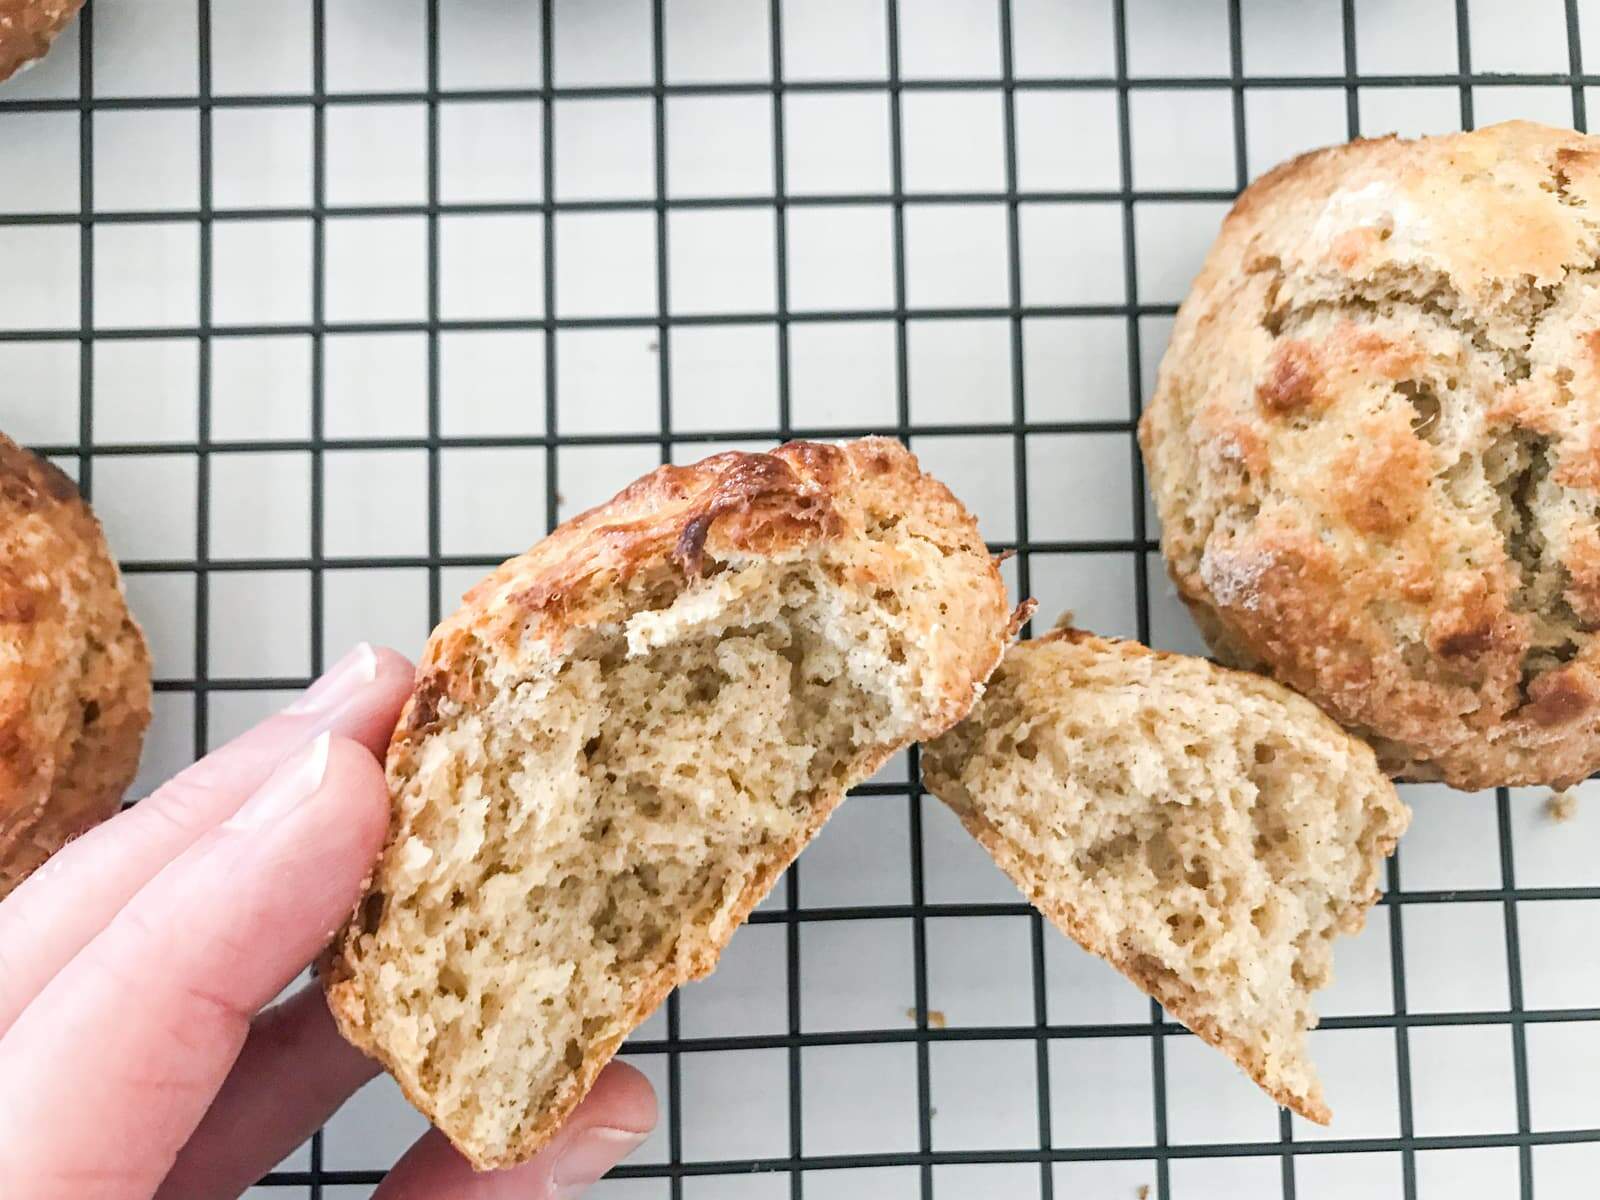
133, 966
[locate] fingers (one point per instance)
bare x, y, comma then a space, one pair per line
296, 1070
361, 694
614, 1118
293, 1074
112, 1067
56, 912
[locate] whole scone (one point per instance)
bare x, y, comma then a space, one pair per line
74, 671
620, 741
1375, 447
27, 27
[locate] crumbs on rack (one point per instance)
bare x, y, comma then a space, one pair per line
1561, 806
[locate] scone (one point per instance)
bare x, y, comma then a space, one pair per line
621, 740
27, 27
1375, 447
74, 671
1206, 831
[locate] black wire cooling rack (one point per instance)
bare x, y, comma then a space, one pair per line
998, 416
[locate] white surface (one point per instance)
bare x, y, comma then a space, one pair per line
960, 369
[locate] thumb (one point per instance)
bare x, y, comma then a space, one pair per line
615, 1117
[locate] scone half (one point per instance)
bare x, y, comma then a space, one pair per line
621, 740
1207, 832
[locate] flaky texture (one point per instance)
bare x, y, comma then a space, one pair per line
622, 739
74, 671
1375, 447
1206, 831
27, 27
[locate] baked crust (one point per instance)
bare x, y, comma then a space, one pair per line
724, 508
27, 27
854, 505
1375, 447
74, 671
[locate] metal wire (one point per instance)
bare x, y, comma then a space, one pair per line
1016, 425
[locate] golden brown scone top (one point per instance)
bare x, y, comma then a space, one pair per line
689, 520
27, 27
74, 671
1375, 446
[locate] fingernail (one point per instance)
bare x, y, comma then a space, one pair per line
286, 789
341, 681
588, 1156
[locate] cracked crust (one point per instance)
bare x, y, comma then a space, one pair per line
1375, 447
27, 27
727, 507
74, 672
863, 511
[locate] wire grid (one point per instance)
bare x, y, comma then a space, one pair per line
1161, 1151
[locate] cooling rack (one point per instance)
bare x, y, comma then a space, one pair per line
332, 304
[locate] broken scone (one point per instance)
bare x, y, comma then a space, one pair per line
1207, 832
622, 739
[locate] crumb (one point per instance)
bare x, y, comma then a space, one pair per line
936, 1017
560, 499
1064, 621
654, 347
1561, 806
1144, 1191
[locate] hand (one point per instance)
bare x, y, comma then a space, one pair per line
133, 1059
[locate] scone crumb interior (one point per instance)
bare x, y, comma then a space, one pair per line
597, 814
1207, 831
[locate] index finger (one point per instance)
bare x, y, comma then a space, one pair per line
111, 1068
